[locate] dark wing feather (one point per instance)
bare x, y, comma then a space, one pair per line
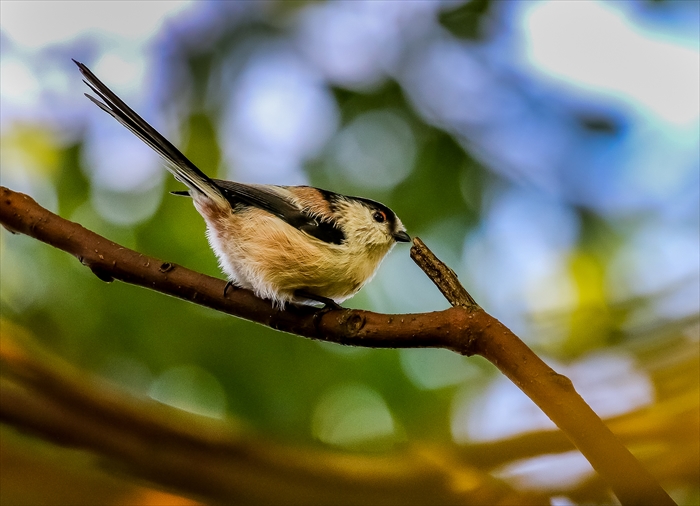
325, 231
270, 201
257, 196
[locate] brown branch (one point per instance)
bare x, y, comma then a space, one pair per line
110, 261
466, 329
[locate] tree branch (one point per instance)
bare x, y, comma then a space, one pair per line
465, 328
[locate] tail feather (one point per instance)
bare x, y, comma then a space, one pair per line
177, 163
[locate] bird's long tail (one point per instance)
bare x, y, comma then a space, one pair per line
177, 163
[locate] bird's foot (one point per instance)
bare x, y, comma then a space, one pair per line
330, 304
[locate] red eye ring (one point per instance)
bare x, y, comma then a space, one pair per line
379, 216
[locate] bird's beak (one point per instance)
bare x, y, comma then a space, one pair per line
402, 236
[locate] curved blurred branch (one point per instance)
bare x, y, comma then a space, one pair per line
464, 328
214, 459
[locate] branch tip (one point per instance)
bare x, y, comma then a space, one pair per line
444, 278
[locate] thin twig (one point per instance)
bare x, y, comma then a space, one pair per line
443, 277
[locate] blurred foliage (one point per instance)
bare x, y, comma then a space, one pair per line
67, 477
466, 20
273, 381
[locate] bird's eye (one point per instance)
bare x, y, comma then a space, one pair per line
379, 216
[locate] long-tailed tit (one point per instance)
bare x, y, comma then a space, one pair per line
285, 243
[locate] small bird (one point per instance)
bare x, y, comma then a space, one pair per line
285, 243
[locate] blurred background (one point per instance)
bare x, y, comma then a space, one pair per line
548, 151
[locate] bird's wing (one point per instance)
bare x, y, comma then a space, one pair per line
280, 202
